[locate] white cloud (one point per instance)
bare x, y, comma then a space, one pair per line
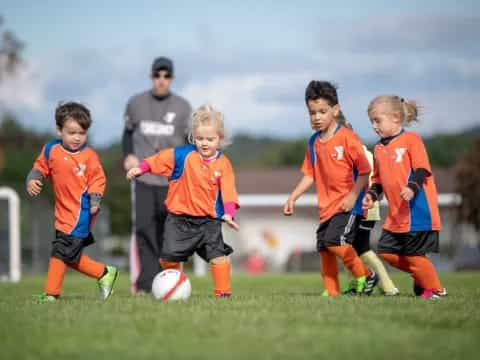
24, 88
237, 96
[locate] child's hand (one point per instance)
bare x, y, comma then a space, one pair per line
407, 193
133, 173
228, 219
34, 187
348, 202
367, 202
94, 210
289, 207
130, 162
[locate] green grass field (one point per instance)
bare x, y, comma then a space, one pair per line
269, 317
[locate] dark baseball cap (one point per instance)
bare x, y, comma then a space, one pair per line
162, 63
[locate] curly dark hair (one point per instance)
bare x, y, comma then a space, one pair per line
321, 90
73, 110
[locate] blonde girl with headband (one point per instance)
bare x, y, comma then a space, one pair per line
201, 196
402, 171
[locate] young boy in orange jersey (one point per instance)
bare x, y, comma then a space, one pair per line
201, 194
402, 171
335, 161
78, 182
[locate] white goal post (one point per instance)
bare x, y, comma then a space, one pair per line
14, 266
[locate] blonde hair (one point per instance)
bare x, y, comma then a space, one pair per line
208, 115
408, 109
342, 120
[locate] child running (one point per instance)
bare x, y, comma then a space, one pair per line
335, 161
78, 183
402, 171
201, 195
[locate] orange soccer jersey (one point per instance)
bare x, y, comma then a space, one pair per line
395, 163
335, 164
196, 187
74, 176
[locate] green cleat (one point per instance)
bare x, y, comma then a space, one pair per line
106, 282
325, 293
361, 283
45, 298
350, 289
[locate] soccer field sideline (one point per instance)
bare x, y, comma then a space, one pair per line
277, 316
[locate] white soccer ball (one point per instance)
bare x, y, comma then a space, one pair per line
171, 285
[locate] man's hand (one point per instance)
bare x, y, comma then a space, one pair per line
130, 162
94, 210
34, 187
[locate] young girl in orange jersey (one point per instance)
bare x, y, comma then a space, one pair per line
78, 182
201, 195
402, 171
336, 163
361, 243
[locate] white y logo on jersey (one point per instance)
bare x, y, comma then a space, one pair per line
216, 177
169, 117
80, 170
399, 152
339, 154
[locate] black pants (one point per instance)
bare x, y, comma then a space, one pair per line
150, 215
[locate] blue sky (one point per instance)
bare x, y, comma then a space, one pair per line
252, 59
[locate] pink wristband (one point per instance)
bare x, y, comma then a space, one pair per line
230, 208
144, 167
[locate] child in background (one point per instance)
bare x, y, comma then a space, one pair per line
402, 171
201, 194
336, 163
78, 183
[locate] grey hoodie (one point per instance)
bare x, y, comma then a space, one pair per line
152, 124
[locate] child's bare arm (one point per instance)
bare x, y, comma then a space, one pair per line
349, 201
305, 183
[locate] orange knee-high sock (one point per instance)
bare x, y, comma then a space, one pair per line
424, 272
401, 262
55, 275
350, 259
329, 269
170, 265
397, 261
88, 266
221, 278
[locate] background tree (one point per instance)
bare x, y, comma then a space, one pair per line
10, 48
468, 180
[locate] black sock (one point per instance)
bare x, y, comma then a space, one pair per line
105, 271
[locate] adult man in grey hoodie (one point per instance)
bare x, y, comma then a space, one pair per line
154, 120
